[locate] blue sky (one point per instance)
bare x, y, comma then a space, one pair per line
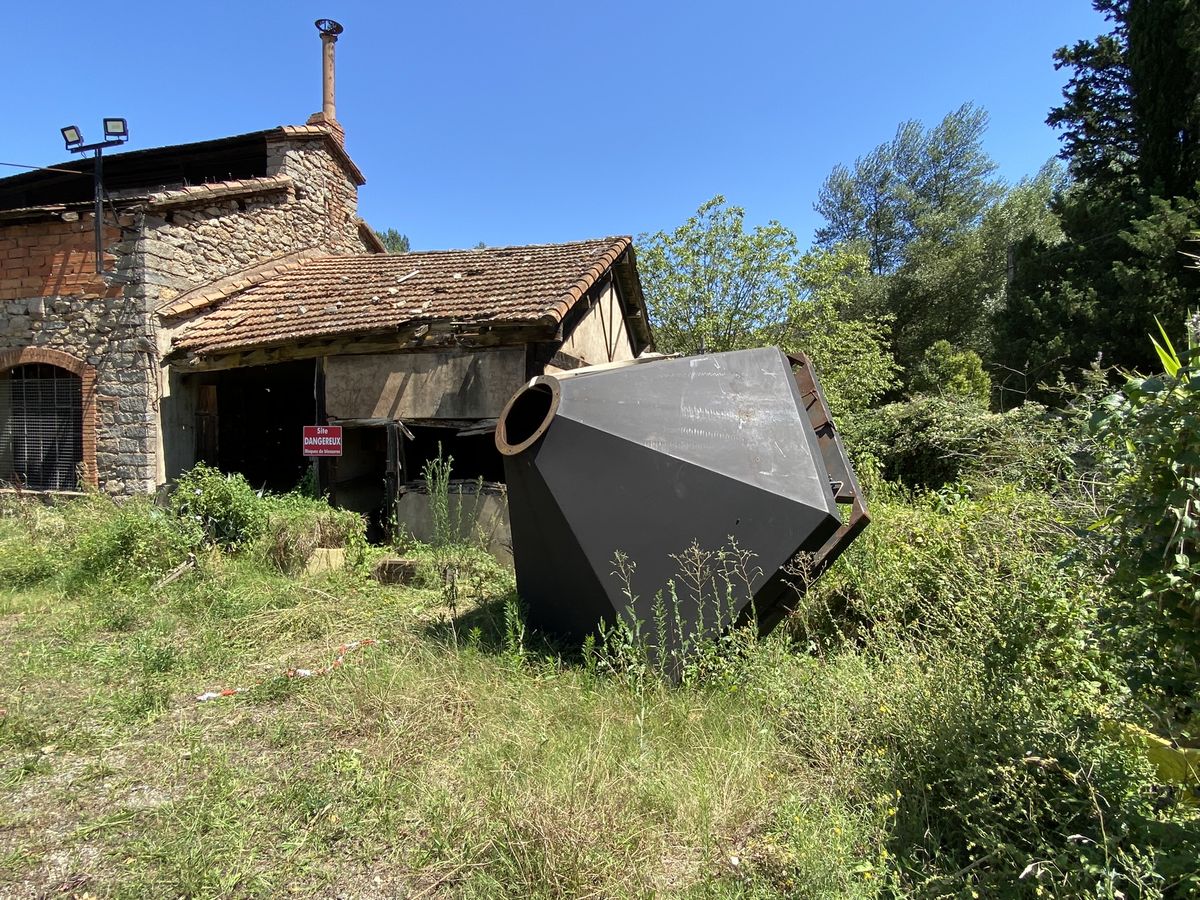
526, 122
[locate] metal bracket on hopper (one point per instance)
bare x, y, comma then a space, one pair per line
837, 464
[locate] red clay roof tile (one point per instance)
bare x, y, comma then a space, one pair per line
343, 295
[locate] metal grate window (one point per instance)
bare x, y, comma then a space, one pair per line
41, 427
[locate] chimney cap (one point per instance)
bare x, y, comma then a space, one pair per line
328, 26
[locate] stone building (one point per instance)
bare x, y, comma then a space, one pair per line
242, 298
80, 346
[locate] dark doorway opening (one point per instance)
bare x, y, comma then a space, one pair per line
255, 424
362, 479
473, 455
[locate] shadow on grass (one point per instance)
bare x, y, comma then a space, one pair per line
496, 626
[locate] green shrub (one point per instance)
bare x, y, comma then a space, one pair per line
24, 561
296, 525
35, 540
979, 785
225, 507
946, 372
929, 442
96, 539
1149, 435
963, 686
981, 573
130, 539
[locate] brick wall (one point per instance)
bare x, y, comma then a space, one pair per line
48, 258
54, 308
52, 300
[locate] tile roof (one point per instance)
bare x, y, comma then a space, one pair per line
345, 295
215, 291
218, 190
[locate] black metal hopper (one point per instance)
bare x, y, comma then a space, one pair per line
644, 458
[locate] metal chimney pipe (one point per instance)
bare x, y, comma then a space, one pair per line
329, 31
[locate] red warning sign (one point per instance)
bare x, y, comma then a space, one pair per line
322, 440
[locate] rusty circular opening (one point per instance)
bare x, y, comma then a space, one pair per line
526, 417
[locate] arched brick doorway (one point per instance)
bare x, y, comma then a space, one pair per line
47, 420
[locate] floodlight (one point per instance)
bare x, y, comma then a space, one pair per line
72, 136
116, 132
116, 129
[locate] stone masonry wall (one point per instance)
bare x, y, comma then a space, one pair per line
184, 248
197, 245
51, 297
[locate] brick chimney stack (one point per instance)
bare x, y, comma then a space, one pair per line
327, 117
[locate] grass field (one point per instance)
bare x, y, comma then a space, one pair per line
429, 764
460, 757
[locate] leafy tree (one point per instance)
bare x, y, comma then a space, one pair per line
1149, 444
948, 372
1130, 120
924, 183
852, 354
394, 241
936, 227
711, 284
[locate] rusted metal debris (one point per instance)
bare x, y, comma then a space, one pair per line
728, 450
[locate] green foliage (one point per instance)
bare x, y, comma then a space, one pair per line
393, 241
930, 441
930, 723
851, 354
296, 525
95, 540
1167, 354
980, 570
132, 539
935, 227
225, 507
985, 740
710, 284
436, 474
924, 182
33, 546
1129, 121
1150, 439
709, 587
948, 372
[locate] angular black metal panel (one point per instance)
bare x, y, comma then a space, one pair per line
647, 458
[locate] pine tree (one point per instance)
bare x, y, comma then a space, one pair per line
1130, 121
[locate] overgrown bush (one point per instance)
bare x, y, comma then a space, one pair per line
226, 507
983, 574
929, 442
130, 539
295, 525
966, 650
285, 529
34, 544
98, 539
947, 372
1150, 439
980, 785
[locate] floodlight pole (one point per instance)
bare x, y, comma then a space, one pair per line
98, 171
98, 181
